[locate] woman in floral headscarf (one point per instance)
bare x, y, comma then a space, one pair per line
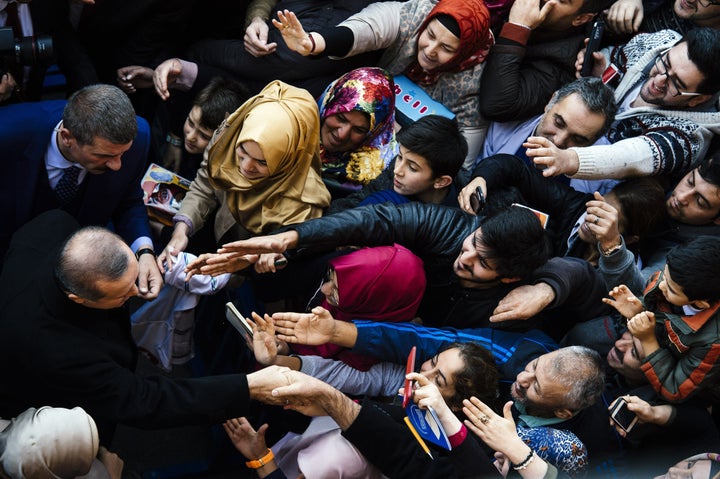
357, 140
439, 45
261, 171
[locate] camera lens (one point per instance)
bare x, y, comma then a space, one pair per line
34, 50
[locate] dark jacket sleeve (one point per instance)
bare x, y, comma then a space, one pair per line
426, 230
563, 203
391, 447
519, 79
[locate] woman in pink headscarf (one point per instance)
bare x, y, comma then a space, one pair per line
384, 283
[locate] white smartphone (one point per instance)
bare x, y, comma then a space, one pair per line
238, 321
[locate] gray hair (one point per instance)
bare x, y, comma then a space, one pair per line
89, 255
100, 111
580, 370
597, 97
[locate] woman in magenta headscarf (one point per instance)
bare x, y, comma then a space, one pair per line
385, 283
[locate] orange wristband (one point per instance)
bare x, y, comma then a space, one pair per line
258, 463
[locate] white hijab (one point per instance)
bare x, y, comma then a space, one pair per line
49, 443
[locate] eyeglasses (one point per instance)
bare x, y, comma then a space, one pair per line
318, 295
662, 69
707, 4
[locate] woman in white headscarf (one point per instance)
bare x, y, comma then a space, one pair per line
51, 443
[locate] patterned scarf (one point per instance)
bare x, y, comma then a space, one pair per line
372, 92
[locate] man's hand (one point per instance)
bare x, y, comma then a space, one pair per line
134, 77
255, 39
599, 63
270, 263
466, 193
646, 413
624, 16
165, 75
264, 345
529, 13
553, 161
313, 397
278, 243
315, 328
624, 301
262, 383
150, 280
523, 302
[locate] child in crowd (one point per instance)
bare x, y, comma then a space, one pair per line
431, 153
211, 106
677, 320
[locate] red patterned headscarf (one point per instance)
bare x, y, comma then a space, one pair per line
473, 18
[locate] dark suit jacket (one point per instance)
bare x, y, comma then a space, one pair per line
58, 353
112, 197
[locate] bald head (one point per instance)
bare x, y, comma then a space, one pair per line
90, 258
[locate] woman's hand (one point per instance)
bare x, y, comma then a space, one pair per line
624, 301
427, 395
602, 220
264, 345
293, 33
466, 193
215, 264
496, 431
134, 77
177, 244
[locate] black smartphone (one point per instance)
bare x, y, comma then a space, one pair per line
593, 45
622, 416
477, 200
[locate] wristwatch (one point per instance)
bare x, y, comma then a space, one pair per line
143, 251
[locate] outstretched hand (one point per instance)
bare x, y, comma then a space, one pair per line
249, 442
314, 328
215, 264
264, 344
624, 301
293, 32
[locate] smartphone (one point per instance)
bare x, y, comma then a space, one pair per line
593, 45
238, 321
477, 200
622, 416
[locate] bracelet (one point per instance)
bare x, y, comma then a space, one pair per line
521, 25
523, 465
174, 141
312, 40
609, 251
143, 251
258, 463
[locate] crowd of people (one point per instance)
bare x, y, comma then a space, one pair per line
544, 246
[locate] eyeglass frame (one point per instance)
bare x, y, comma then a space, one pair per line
671, 81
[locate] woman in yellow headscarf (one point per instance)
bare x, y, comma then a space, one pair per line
261, 170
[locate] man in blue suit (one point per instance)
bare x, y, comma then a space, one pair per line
85, 156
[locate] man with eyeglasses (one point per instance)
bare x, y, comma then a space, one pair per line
666, 116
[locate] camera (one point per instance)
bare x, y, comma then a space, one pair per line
24, 51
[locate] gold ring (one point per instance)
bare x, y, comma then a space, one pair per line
484, 419
285, 27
